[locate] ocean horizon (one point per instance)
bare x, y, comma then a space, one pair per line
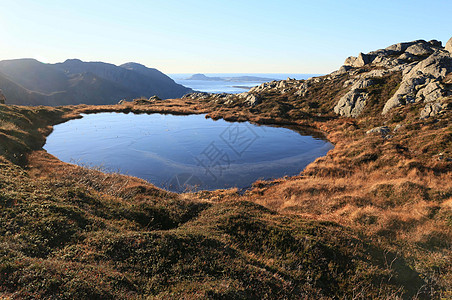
233, 87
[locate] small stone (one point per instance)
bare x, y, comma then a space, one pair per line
383, 130
397, 127
154, 98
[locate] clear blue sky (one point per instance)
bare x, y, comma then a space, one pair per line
247, 36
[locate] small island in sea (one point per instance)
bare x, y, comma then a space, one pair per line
231, 79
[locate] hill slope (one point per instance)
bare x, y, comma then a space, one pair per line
371, 219
75, 82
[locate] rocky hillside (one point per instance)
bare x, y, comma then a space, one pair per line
403, 74
30, 82
370, 220
73, 233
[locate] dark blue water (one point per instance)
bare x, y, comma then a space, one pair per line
232, 87
180, 152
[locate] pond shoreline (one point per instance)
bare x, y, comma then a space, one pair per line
236, 167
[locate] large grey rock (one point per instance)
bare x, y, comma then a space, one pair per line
430, 110
252, 100
360, 61
418, 83
375, 73
2, 98
436, 65
342, 70
351, 104
420, 49
436, 43
388, 61
406, 56
449, 45
350, 61
362, 84
380, 52
406, 93
431, 92
399, 48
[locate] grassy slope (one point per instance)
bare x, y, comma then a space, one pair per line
371, 219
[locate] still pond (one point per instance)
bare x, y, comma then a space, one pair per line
180, 153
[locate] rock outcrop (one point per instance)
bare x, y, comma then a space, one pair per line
431, 109
197, 95
360, 61
418, 72
222, 98
252, 100
422, 81
449, 45
423, 64
351, 104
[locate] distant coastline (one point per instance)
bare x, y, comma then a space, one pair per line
232, 83
242, 87
245, 78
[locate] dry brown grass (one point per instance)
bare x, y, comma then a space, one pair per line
395, 191
375, 185
47, 167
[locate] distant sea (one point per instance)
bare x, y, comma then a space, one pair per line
232, 87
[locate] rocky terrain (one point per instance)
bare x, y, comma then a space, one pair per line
370, 220
30, 82
423, 68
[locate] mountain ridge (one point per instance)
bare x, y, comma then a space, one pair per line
37, 83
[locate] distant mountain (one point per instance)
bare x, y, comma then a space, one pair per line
34, 75
12, 90
30, 82
231, 79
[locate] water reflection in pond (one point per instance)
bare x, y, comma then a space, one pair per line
179, 152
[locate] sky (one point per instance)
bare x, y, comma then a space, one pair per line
216, 36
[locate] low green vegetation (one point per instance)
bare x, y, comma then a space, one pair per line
59, 239
351, 227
